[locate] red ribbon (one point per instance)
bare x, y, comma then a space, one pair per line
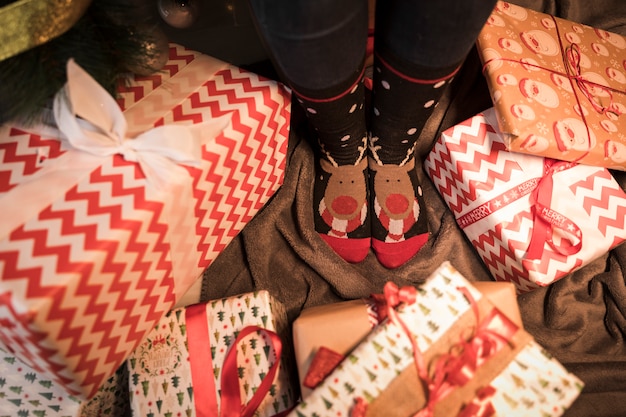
574, 73
200, 360
481, 406
457, 367
546, 220
323, 363
202, 369
390, 300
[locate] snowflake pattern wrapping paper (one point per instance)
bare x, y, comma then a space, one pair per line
380, 370
559, 87
162, 371
532, 220
109, 219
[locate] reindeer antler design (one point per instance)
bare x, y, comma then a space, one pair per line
374, 148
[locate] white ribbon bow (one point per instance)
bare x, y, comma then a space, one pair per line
90, 120
93, 125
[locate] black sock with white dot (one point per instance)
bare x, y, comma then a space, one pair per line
401, 105
340, 190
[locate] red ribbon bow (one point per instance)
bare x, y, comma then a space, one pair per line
459, 366
456, 368
205, 392
574, 73
547, 221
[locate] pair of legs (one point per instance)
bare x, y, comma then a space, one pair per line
366, 192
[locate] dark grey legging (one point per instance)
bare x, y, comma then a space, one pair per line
317, 43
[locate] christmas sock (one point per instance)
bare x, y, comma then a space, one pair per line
401, 105
340, 191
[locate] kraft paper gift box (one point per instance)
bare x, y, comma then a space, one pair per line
110, 217
532, 220
324, 334
512, 375
559, 87
186, 364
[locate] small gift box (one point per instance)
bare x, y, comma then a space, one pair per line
531, 219
24, 392
443, 350
222, 355
112, 213
559, 87
337, 327
324, 334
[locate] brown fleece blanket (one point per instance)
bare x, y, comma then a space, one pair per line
581, 319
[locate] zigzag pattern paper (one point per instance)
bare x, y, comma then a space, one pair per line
84, 281
489, 191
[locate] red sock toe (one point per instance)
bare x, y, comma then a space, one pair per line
393, 255
351, 250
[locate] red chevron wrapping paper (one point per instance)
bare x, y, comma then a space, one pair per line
533, 220
87, 275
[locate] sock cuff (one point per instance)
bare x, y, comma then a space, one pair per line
448, 72
333, 95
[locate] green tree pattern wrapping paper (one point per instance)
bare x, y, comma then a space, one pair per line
160, 378
532, 381
23, 393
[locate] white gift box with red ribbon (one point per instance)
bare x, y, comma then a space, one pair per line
113, 212
220, 358
532, 220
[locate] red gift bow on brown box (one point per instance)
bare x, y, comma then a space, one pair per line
454, 368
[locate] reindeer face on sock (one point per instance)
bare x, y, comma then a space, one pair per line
345, 192
393, 189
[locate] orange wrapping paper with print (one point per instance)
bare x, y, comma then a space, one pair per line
558, 87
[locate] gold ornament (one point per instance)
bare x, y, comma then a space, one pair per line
25, 24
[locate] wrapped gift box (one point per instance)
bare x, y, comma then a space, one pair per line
337, 326
533, 220
180, 369
103, 234
111, 399
23, 392
381, 374
559, 87
340, 327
